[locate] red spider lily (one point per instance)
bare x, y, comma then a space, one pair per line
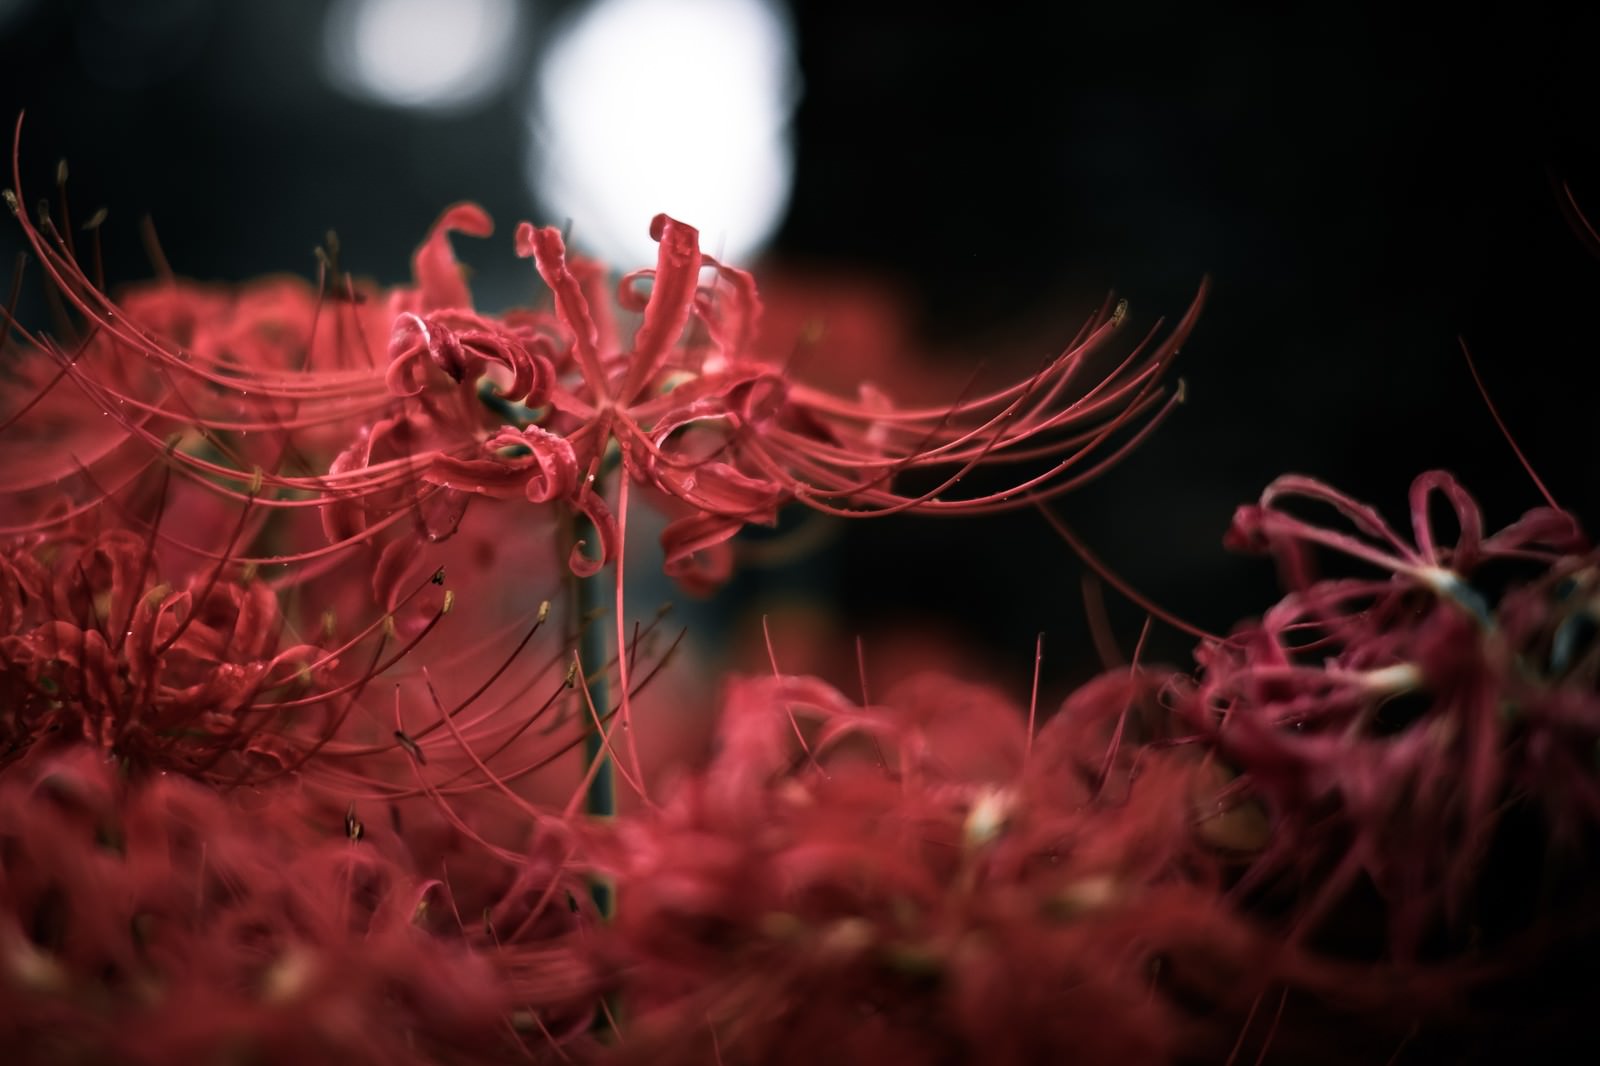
156, 921
98, 648
729, 437
530, 403
249, 393
918, 881
1386, 722
196, 669
176, 657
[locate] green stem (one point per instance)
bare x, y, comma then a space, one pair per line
590, 603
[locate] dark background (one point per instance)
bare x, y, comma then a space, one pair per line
1361, 187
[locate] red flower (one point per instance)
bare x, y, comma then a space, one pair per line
98, 648
915, 882
532, 403
1386, 723
156, 921
728, 437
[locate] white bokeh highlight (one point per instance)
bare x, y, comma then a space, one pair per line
430, 55
682, 106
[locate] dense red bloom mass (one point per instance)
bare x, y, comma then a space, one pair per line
191, 463
288, 750
917, 881
1388, 723
96, 647
159, 922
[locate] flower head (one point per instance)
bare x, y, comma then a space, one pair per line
450, 403
156, 920
916, 880
1387, 723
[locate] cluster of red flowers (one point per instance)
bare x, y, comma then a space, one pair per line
1389, 723
299, 652
157, 920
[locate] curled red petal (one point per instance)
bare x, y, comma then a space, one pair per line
720, 489
549, 253
438, 274
671, 297
593, 507
530, 462
697, 556
408, 343
557, 466
732, 313
1470, 519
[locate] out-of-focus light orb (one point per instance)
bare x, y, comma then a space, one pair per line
432, 55
682, 106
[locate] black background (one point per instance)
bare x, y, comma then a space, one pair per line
1361, 187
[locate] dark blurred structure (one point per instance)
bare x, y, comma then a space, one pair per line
1362, 187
